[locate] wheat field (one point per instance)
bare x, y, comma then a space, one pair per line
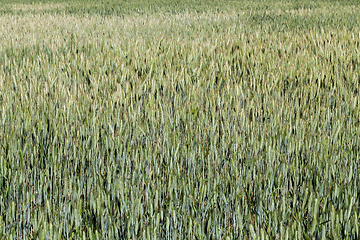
179, 120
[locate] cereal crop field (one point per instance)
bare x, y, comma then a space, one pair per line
167, 119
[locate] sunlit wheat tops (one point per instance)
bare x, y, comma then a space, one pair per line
179, 120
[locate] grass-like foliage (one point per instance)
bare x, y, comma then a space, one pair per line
179, 120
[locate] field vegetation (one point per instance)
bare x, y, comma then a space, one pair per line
179, 119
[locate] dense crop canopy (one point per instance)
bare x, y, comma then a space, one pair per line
164, 121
